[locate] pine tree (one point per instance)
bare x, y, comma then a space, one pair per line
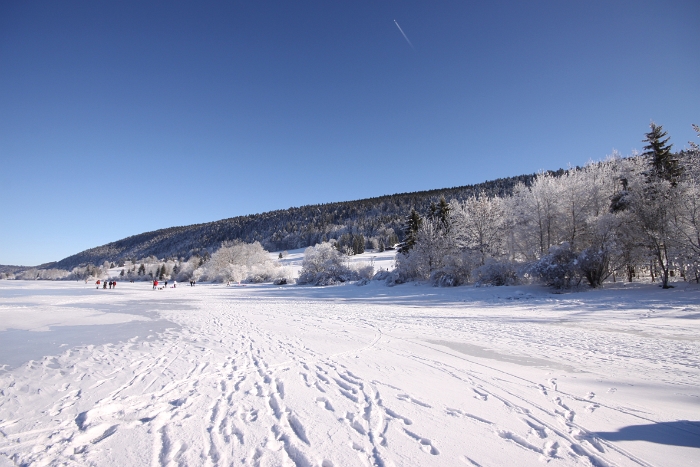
443, 213
411, 226
358, 244
142, 269
162, 272
121, 273
663, 164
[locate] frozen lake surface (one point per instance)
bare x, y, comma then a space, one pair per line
347, 375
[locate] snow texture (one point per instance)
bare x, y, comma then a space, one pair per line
414, 375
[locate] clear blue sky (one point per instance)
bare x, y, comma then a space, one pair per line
122, 117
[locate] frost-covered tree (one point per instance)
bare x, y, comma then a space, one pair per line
325, 265
652, 198
431, 249
535, 212
686, 215
238, 261
477, 225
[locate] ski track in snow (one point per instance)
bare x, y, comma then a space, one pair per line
253, 378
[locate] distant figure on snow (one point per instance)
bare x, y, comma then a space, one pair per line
104, 284
98, 283
174, 284
114, 284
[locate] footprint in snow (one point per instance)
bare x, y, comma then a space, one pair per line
407, 398
538, 430
392, 414
324, 403
459, 413
425, 444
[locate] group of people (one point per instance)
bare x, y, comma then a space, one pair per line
113, 284
192, 283
165, 284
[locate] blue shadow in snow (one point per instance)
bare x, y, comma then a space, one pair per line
679, 433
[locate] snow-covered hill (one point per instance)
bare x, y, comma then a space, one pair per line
379, 218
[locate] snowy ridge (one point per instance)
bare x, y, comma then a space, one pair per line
287, 229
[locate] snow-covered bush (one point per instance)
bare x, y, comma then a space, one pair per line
239, 261
364, 270
324, 265
594, 264
381, 275
497, 273
559, 268
42, 274
429, 253
456, 269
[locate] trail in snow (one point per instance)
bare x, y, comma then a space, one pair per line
348, 376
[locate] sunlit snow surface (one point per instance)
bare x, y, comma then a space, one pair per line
347, 375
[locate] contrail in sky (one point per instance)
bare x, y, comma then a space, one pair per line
403, 34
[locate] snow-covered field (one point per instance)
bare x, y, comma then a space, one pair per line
346, 375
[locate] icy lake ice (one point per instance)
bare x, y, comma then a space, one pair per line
347, 375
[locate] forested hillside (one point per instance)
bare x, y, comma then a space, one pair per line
379, 221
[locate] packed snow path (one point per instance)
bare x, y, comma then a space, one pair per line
343, 376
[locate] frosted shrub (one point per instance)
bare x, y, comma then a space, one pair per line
236, 262
411, 266
186, 269
365, 271
324, 265
497, 273
594, 265
456, 270
559, 268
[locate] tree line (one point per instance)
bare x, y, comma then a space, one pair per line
621, 217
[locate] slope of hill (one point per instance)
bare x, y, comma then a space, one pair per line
380, 218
